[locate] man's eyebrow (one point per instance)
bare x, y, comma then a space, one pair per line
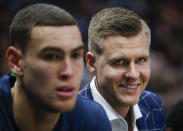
56, 49
51, 49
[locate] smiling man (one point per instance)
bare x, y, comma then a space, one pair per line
118, 57
46, 57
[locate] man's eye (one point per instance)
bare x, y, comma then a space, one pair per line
51, 57
141, 60
77, 55
121, 62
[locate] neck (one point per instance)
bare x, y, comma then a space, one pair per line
123, 111
128, 119
126, 113
28, 116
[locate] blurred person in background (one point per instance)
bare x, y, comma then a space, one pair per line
175, 117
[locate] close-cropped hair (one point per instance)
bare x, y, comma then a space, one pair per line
36, 15
114, 21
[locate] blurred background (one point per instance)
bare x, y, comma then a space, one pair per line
165, 18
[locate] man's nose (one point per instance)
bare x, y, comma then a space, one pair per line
67, 69
132, 72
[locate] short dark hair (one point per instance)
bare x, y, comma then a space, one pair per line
114, 21
36, 15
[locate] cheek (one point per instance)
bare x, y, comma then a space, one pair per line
108, 76
78, 70
145, 74
39, 74
113, 74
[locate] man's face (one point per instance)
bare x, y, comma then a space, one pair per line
123, 70
52, 67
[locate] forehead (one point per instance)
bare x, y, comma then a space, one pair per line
126, 46
64, 37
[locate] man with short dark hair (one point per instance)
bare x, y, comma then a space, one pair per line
118, 57
46, 62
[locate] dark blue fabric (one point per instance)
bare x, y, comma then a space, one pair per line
87, 115
152, 119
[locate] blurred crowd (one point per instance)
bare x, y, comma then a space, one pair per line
165, 18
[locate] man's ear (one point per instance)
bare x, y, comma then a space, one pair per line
91, 62
13, 56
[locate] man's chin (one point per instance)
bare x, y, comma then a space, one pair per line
67, 106
129, 102
132, 102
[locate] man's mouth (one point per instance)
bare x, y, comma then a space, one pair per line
66, 91
131, 86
